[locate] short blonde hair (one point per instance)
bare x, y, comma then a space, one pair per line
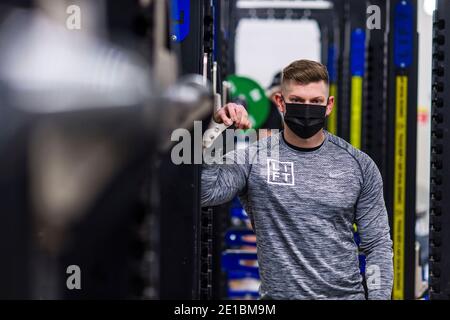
305, 72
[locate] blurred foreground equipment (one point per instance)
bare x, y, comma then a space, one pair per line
83, 124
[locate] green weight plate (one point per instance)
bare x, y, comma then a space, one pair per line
258, 105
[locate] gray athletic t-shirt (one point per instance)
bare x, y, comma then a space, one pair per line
303, 206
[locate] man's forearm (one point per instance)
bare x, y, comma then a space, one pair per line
220, 183
379, 269
208, 185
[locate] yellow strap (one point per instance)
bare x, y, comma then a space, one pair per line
332, 120
356, 112
401, 106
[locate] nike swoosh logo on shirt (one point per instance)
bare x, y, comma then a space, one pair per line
337, 174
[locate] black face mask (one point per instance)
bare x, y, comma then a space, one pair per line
305, 120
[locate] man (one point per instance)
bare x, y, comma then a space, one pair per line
304, 200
